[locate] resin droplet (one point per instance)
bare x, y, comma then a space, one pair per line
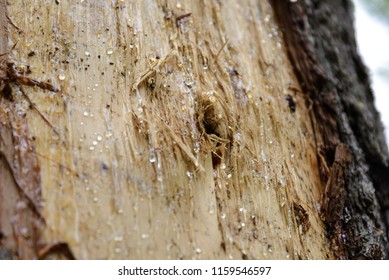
189, 174
152, 157
61, 77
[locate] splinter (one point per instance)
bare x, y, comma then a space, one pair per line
153, 67
9, 75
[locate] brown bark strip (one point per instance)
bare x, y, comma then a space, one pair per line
313, 80
293, 20
349, 205
21, 223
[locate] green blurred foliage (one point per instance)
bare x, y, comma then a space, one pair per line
384, 72
378, 7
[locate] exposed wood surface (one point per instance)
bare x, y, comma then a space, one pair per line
179, 131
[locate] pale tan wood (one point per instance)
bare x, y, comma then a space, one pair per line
130, 174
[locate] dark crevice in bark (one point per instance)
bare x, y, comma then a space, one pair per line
320, 42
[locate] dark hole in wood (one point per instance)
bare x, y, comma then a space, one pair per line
291, 103
7, 92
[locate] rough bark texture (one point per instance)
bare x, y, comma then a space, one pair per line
183, 130
321, 45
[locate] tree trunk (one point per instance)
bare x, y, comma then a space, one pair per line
188, 130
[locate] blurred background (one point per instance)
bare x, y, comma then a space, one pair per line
372, 27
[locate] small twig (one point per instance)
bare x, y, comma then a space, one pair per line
219, 52
183, 16
183, 147
56, 247
13, 24
32, 106
23, 193
11, 76
9, 50
32, 82
145, 74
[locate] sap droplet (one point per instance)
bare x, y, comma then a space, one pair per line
86, 113
145, 236
196, 148
118, 238
189, 174
110, 51
152, 57
211, 209
25, 232
223, 216
21, 205
223, 166
87, 53
152, 157
198, 250
99, 137
94, 142
108, 134
95, 199
189, 83
61, 77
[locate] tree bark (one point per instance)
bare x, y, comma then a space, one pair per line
321, 45
188, 130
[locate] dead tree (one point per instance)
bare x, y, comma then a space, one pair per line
188, 130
